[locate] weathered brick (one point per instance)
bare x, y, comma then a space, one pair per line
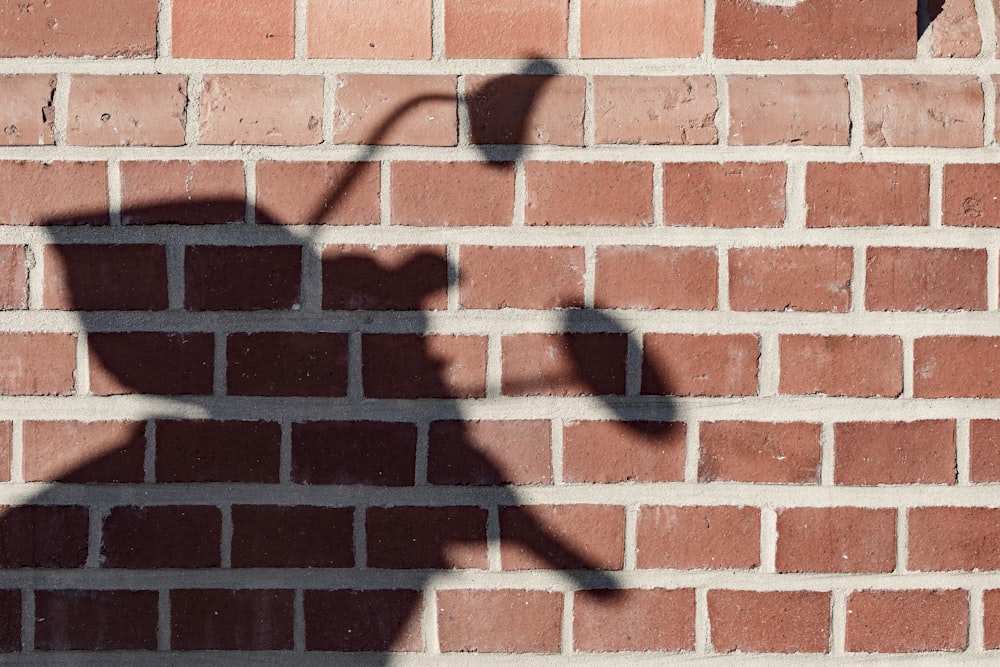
506, 29
836, 539
623, 451
526, 109
573, 364
807, 110
182, 192
730, 194
484, 453
390, 109
923, 111
970, 195
48, 536
211, 29
907, 621
57, 193
805, 278
354, 452
870, 453
83, 452
137, 110
955, 29
521, 277
562, 537
318, 193
641, 29
700, 364
28, 114
116, 28
867, 194
13, 277
946, 366
984, 450
397, 29
655, 277
698, 537
594, 193
926, 279
499, 621
954, 538
261, 109
398, 277
841, 365
37, 364
452, 194
760, 452
654, 109
770, 621
10, 621
655, 619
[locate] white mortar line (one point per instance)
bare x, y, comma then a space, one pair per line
520, 194
493, 539
164, 29
989, 111
708, 46
702, 623
250, 192
422, 453
299, 622
192, 112
82, 375
566, 629
28, 619
828, 453
855, 91
114, 192
574, 28
95, 525
494, 367
795, 195
987, 29
976, 620
936, 194
838, 617
768, 539
220, 380
175, 275
769, 365
859, 279
226, 537
360, 537
454, 260
558, 451
631, 536
589, 275
301, 29
464, 121
992, 277
589, 114
60, 106
385, 193
902, 541
429, 622
962, 451
907, 362
722, 293
35, 265
722, 114
355, 378
658, 194
437, 30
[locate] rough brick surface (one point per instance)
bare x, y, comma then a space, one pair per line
182, 192
435, 194
868, 195
655, 109
653, 277
313, 193
57, 193
907, 621
609, 452
483, 453
133, 362
217, 451
369, 29
95, 620
141, 110
538, 109
600, 193
841, 365
797, 110
501, 621
836, 539
392, 109
261, 109
161, 537
770, 621
512, 277
37, 364
641, 29
506, 29
28, 115
956, 31
869, 453
731, 194
759, 452
698, 537
984, 450
287, 364
426, 537
636, 620
400, 277
956, 366
13, 277
700, 365
211, 29
807, 278
105, 277
925, 279
345, 620
588, 536
376, 453
923, 111
954, 538
119, 28
217, 619
567, 365
83, 452
970, 199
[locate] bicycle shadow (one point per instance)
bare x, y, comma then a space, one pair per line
353, 431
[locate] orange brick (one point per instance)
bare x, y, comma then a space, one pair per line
623, 451
641, 28
369, 29
449, 194
789, 109
506, 29
654, 619
733, 451
27, 114
802, 278
140, 110
731, 194
655, 110
923, 111
183, 192
218, 29
37, 364
499, 621
390, 109
595, 193
262, 109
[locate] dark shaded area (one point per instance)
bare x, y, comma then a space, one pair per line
927, 11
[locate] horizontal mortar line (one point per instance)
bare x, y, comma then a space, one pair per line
461, 659
782, 409
319, 236
551, 580
510, 322
703, 65
662, 493
666, 153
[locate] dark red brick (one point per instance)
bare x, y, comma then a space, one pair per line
572, 364
242, 278
43, 536
354, 452
233, 620
623, 451
160, 537
217, 451
378, 620
84, 452
151, 363
292, 536
357, 277
413, 366
562, 537
484, 453
286, 364
88, 620
770, 621
10, 621
105, 277
426, 537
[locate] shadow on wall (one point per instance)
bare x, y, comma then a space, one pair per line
359, 451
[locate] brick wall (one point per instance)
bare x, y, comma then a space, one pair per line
564, 327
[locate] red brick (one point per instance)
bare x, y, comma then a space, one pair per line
923, 111
589, 193
984, 450
452, 194
770, 621
804, 110
572, 364
946, 366
95, 620
698, 537
907, 621
815, 29
28, 113
292, 536
182, 192
240, 620
623, 451
49, 536
954, 538
13, 277
641, 29
392, 277
83, 452
137, 110
867, 194
318, 193
804, 278
286, 364
870, 453
991, 619
109, 29
212, 29
242, 277
151, 363
760, 452
955, 29
413, 366
506, 29
397, 29
37, 364
426, 537
6, 451
10, 621
562, 537
841, 365
499, 621
652, 277
926, 279
391, 109
161, 537
731, 194
836, 539
202, 450
261, 109
700, 364
354, 452
526, 109
486, 453
654, 109
105, 277
378, 620
970, 195
635, 619
57, 193
521, 277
